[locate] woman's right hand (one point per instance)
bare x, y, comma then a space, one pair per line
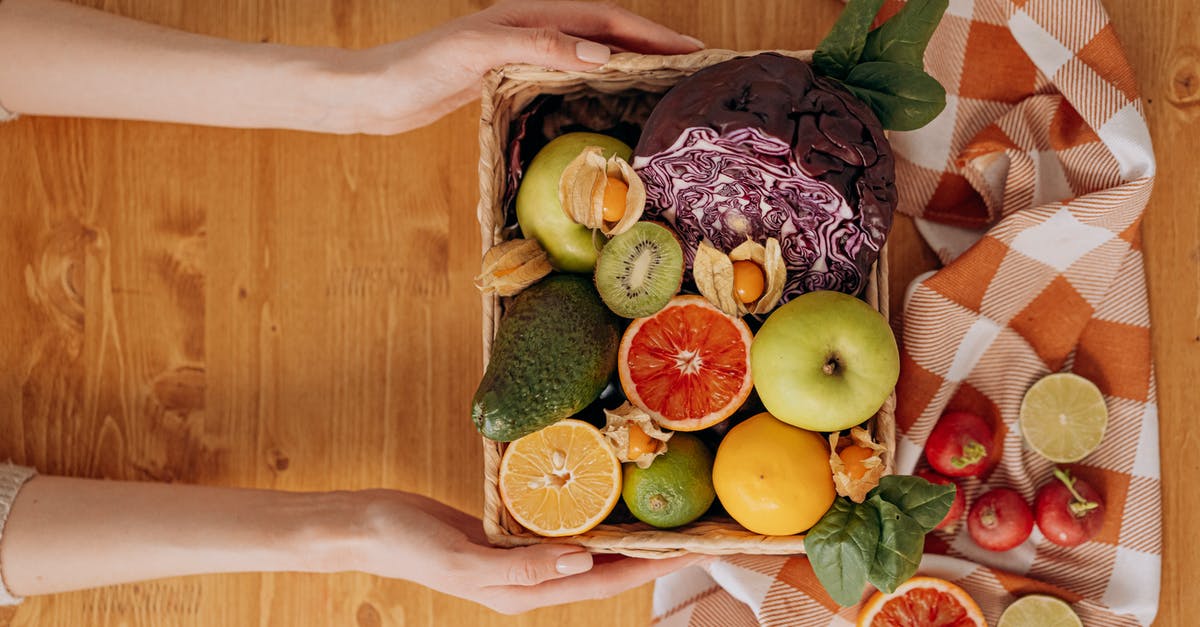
413, 537
415, 81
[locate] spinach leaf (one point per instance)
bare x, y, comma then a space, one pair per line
927, 503
841, 547
841, 48
902, 96
901, 543
903, 38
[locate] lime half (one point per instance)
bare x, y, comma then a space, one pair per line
1039, 610
1063, 417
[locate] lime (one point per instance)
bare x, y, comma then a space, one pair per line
1063, 417
1039, 610
676, 489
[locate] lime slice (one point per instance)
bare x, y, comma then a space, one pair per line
1039, 610
1063, 417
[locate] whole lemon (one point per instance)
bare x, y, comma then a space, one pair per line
773, 478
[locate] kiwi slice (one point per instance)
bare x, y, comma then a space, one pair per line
640, 270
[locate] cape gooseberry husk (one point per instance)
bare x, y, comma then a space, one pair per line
713, 271
584, 184
848, 485
625, 426
512, 266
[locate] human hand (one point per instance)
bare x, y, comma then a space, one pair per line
414, 82
419, 539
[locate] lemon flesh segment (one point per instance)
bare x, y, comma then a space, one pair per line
560, 481
1039, 610
1063, 417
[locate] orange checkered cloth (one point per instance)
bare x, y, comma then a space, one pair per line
1031, 187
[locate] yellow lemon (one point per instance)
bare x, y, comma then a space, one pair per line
773, 478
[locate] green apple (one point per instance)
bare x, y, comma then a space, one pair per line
571, 246
825, 361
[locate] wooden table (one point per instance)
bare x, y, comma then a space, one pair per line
296, 311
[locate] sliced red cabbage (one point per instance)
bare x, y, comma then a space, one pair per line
759, 147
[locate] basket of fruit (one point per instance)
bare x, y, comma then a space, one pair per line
685, 322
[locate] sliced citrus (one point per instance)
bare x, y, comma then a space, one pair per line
1039, 610
688, 365
922, 602
1063, 417
560, 481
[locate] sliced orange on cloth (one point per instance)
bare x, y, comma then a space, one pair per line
560, 481
687, 366
922, 602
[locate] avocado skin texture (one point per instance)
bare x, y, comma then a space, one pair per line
554, 352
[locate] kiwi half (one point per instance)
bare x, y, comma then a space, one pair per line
640, 270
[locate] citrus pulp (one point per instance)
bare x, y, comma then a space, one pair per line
922, 602
687, 366
1040, 610
1063, 417
560, 481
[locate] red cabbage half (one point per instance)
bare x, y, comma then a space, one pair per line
760, 147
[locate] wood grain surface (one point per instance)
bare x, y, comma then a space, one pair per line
295, 311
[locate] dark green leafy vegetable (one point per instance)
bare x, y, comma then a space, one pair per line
842, 47
841, 547
884, 67
927, 503
902, 96
880, 540
903, 38
901, 543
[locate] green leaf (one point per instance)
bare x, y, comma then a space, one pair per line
841, 48
927, 503
841, 547
903, 38
901, 543
903, 97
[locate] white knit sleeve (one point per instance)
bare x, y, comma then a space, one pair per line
11, 479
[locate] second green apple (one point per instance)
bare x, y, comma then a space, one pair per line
825, 361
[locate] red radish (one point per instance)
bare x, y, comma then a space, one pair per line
1000, 520
960, 445
960, 498
1069, 510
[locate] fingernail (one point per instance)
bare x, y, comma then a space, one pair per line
592, 52
574, 563
695, 42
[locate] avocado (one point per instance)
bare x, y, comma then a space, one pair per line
554, 353
572, 247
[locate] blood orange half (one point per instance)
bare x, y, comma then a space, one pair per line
688, 365
922, 602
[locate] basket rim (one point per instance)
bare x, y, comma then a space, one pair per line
636, 540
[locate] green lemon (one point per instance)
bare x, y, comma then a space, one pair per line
1039, 610
676, 489
1063, 417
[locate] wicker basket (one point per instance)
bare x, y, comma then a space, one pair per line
506, 92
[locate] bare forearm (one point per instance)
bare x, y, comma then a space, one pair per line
69, 534
62, 59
